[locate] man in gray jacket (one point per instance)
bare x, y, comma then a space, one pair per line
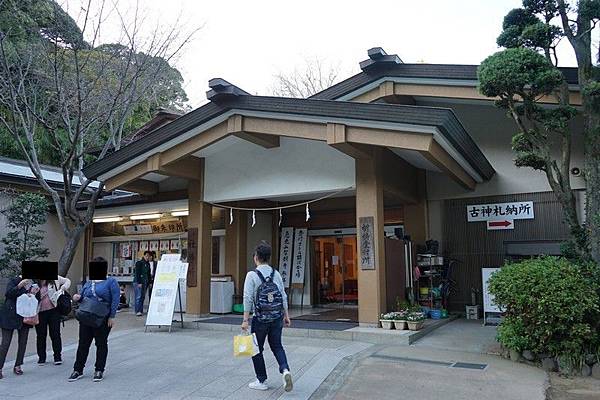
264, 293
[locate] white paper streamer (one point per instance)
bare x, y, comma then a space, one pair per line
230, 216
253, 218
307, 213
280, 216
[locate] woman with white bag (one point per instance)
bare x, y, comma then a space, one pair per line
50, 318
11, 321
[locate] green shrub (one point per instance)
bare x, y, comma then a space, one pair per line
551, 306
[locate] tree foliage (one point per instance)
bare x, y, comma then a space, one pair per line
551, 306
68, 99
24, 215
525, 77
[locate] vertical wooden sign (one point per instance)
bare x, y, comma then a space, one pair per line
367, 242
192, 257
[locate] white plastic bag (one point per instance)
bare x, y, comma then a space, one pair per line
27, 305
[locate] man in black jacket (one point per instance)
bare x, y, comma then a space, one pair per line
141, 279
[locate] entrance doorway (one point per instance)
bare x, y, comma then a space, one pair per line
335, 277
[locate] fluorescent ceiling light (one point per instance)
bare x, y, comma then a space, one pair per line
107, 219
145, 216
181, 213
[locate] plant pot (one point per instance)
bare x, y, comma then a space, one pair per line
400, 325
414, 325
386, 324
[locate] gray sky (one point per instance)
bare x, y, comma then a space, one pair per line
248, 42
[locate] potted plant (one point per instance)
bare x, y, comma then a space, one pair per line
387, 320
415, 320
400, 319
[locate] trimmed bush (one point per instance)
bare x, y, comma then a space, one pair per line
551, 306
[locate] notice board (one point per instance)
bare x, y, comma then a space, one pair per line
488, 299
164, 290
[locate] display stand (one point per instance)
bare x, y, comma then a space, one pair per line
489, 307
169, 272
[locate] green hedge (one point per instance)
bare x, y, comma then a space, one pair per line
551, 307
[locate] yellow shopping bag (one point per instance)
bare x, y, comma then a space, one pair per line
245, 345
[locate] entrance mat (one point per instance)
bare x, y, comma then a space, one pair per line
300, 324
337, 315
480, 367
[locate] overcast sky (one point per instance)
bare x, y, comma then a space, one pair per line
249, 42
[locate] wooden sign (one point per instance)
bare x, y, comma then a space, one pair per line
285, 255
192, 257
367, 243
299, 261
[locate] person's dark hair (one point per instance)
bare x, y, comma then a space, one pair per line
263, 251
148, 252
99, 259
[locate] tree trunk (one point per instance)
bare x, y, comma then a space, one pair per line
69, 250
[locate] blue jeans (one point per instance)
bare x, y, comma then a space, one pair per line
140, 294
272, 332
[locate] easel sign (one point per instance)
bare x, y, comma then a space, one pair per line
164, 291
489, 307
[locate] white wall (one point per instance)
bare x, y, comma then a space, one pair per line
242, 170
54, 240
492, 130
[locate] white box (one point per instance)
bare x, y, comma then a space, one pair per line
221, 297
472, 312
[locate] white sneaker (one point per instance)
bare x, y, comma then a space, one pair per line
256, 385
288, 385
138, 314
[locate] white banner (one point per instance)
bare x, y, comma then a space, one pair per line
299, 261
499, 211
164, 290
285, 254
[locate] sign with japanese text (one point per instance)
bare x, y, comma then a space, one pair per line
367, 243
500, 211
285, 254
164, 290
488, 298
299, 260
137, 229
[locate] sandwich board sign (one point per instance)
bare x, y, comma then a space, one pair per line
164, 291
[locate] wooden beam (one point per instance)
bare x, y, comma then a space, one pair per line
451, 92
188, 167
141, 186
133, 173
195, 143
235, 126
444, 161
337, 138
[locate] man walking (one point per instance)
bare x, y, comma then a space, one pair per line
141, 279
264, 292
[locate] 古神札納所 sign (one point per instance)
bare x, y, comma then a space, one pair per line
500, 211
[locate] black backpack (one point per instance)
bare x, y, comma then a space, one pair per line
268, 305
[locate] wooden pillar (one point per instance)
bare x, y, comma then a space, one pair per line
275, 239
235, 248
199, 248
369, 203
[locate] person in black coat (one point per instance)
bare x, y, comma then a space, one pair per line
10, 321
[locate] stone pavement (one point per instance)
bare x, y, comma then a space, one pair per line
427, 370
184, 364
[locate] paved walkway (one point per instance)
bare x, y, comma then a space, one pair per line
185, 364
437, 367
